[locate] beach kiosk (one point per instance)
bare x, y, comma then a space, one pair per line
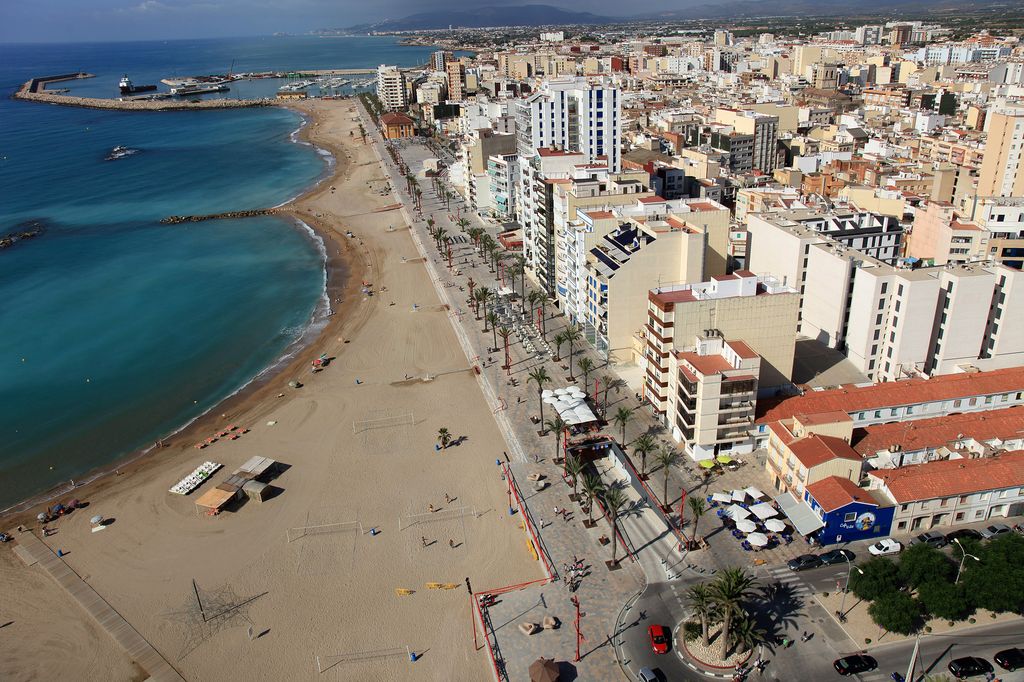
213, 501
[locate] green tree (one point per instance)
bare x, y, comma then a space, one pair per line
444, 437
572, 335
922, 562
643, 446
881, 576
614, 500
621, 418
697, 508
560, 338
611, 383
556, 425
504, 333
573, 468
586, 366
745, 634
703, 605
943, 599
540, 377
591, 487
896, 612
666, 458
485, 296
730, 589
996, 582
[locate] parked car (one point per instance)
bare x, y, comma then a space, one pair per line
803, 562
995, 529
660, 639
647, 675
854, 665
969, 666
1010, 659
933, 538
836, 556
885, 546
963, 534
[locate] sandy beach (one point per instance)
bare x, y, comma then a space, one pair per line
358, 440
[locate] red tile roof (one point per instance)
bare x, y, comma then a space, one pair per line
835, 492
816, 449
652, 200
742, 350
894, 393
822, 418
938, 431
394, 118
949, 477
706, 364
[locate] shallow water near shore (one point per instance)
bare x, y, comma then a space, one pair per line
116, 330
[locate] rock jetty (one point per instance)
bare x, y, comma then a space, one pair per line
35, 91
179, 219
9, 240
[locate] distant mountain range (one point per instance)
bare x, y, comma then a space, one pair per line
548, 15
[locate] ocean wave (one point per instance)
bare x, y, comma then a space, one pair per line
326, 154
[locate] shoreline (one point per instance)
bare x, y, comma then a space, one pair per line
341, 294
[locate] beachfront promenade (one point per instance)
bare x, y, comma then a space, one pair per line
33, 551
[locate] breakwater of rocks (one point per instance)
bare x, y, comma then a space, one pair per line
179, 219
35, 91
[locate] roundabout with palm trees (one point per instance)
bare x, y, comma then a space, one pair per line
722, 634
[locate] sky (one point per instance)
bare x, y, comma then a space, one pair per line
104, 20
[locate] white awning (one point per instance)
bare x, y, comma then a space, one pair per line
572, 409
721, 497
739, 495
737, 512
746, 526
755, 493
803, 517
775, 525
763, 511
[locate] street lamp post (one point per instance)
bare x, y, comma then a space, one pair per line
846, 587
962, 559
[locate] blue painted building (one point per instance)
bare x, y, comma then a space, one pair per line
848, 511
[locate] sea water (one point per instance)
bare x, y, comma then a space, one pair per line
115, 329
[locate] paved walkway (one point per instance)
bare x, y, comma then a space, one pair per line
140, 651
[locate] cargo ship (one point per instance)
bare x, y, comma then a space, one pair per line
129, 88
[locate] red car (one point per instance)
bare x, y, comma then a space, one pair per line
659, 638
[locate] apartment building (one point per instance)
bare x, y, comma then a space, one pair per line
763, 131
503, 175
1000, 168
712, 396
481, 146
535, 197
760, 311
802, 451
456, 72
391, 88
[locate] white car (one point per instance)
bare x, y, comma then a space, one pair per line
885, 546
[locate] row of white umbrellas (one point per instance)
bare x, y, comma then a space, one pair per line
570, 403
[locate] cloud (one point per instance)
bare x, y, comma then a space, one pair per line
150, 6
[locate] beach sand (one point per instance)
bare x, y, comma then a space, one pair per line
329, 595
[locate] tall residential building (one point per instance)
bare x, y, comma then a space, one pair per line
391, 88
763, 131
503, 172
1000, 168
456, 71
760, 311
439, 59
573, 114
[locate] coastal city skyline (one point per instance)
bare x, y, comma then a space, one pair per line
507, 343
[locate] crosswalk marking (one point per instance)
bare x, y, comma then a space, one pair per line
785, 576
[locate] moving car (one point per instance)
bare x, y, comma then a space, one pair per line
963, 534
854, 665
969, 666
885, 546
836, 556
660, 639
994, 530
933, 538
646, 675
1010, 659
803, 562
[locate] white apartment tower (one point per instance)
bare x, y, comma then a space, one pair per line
391, 88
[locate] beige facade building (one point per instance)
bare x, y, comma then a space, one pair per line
1001, 175
802, 451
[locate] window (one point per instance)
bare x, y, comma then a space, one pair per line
878, 319
979, 513
850, 517
902, 525
904, 507
877, 333
885, 287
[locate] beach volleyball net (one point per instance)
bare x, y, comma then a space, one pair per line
324, 529
407, 521
405, 419
325, 663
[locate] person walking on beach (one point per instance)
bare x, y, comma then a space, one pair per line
431, 509
447, 498
423, 539
451, 543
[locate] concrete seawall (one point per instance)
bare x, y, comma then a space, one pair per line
35, 91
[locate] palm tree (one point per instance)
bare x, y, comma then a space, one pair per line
533, 298
462, 223
611, 383
591, 487
586, 365
556, 424
513, 272
362, 132
444, 437
540, 376
745, 634
643, 446
573, 468
521, 271
544, 315
485, 296
504, 333
560, 338
729, 590
572, 335
667, 458
493, 319
614, 500
703, 605
621, 418
697, 508
442, 237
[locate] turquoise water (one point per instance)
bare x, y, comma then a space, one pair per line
114, 329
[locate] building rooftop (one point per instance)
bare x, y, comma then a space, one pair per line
894, 393
950, 477
938, 431
836, 492
816, 449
